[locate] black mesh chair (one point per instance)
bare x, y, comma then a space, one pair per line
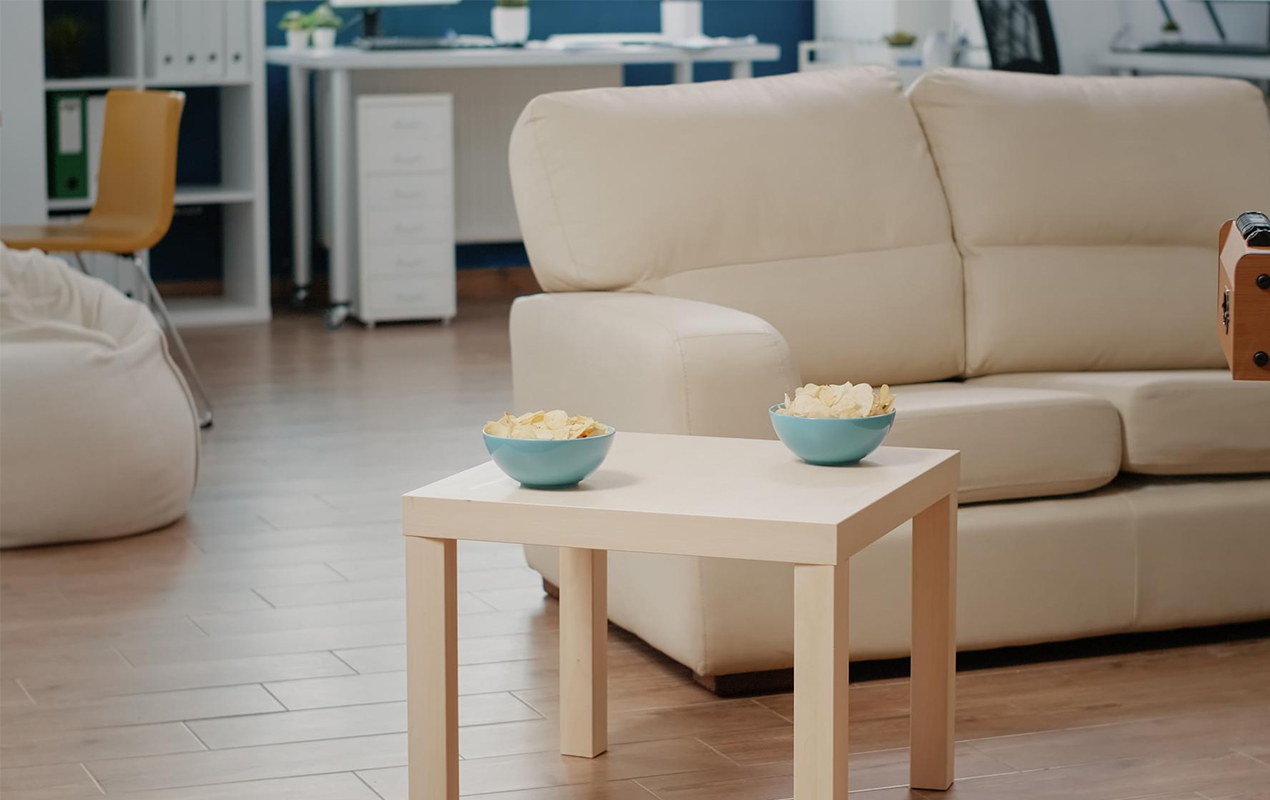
1020, 35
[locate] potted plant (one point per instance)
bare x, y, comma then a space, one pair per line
297, 28
509, 21
1171, 31
903, 49
324, 23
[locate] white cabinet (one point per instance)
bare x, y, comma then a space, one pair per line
405, 170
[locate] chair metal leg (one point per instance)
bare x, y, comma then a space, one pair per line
201, 401
79, 259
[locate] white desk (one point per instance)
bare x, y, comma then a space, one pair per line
1126, 62
341, 62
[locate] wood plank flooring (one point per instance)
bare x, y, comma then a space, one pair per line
255, 649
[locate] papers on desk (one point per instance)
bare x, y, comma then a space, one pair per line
574, 42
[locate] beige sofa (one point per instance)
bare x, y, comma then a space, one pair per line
1029, 259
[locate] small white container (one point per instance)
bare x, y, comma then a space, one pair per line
323, 39
297, 40
510, 24
681, 19
937, 50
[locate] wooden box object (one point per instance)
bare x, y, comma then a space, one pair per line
1243, 305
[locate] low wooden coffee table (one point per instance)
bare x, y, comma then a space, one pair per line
699, 496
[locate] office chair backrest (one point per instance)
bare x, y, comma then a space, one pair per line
1020, 35
137, 182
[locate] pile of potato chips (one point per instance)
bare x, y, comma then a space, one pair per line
838, 401
545, 425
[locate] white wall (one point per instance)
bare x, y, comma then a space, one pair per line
23, 181
1084, 28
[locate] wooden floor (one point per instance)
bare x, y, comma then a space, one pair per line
254, 650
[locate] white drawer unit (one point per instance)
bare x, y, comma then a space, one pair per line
405, 166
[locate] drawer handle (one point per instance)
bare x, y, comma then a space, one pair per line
407, 193
403, 159
401, 227
406, 124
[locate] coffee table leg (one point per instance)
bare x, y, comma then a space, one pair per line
821, 660
934, 645
432, 682
583, 658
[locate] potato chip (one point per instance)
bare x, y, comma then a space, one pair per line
838, 401
545, 425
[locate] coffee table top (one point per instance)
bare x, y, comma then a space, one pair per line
695, 495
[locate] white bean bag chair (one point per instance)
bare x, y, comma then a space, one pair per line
98, 431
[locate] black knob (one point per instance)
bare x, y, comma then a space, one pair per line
1263, 281
1260, 358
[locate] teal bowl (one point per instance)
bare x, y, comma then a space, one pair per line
829, 442
549, 464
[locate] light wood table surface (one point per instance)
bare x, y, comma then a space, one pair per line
702, 496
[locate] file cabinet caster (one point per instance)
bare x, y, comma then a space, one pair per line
335, 316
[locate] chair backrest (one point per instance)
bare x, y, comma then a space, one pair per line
809, 200
1020, 35
137, 182
1087, 211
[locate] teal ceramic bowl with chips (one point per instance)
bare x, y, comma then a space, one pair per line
831, 442
551, 463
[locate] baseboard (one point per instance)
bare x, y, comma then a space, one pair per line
208, 288
486, 284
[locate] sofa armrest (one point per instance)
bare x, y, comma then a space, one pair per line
649, 363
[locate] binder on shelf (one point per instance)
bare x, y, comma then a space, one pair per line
95, 125
163, 39
67, 151
237, 39
211, 36
202, 38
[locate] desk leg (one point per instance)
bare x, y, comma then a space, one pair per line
341, 186
683, 71
742, 69
432, 668
821, 659
934, 663
583, 658
301, 207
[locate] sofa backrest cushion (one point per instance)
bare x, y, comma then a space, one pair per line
809, 200
1087, 211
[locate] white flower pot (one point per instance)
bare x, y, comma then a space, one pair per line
297, 40
681, 19
324, 39
510, 24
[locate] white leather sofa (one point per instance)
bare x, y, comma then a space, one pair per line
1029, 260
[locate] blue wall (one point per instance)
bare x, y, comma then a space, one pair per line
782, 22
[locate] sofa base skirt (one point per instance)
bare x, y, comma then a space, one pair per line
1140, 554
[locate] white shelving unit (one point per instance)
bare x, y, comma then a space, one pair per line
242, 191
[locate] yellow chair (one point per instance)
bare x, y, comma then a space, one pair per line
135, 192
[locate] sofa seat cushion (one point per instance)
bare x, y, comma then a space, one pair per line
1176, 422
1014, 443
